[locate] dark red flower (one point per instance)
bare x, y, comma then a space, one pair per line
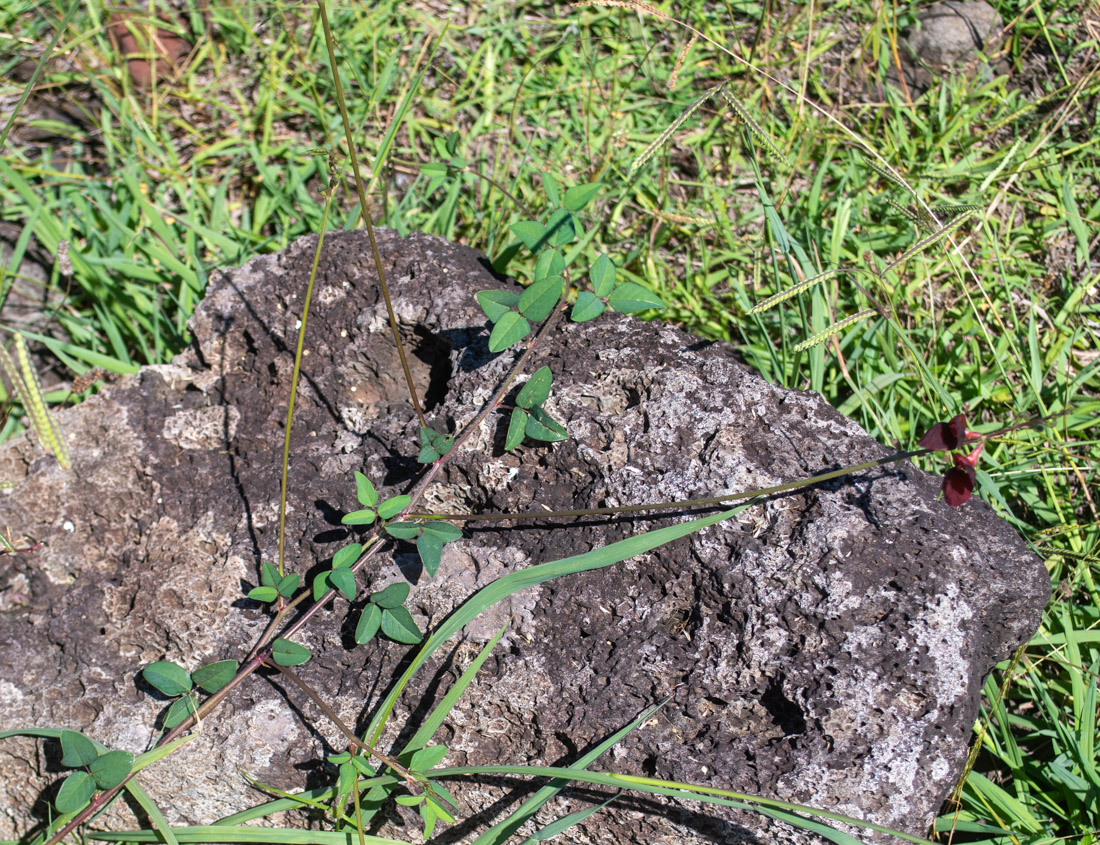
958, 483
945, 436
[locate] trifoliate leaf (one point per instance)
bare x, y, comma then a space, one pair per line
215, 676
561, 228
77, 750
588, 307
577, 197
629, 297
344, 581
75, 793
398, 625
347, 555
602, 276
110, 769
537, 389
403, 530
434, 445
393, 596
286, 653
531, 232
516, 428
364, 491
539, 298
170, 679
369, 621
497, 303
363, 517
430, 548
393, 506
510, 329
542, 426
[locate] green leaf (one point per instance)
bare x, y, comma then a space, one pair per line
269, 575
364, 491
75, 793
602, 276
588, 307
577, 197
76, 750
393, 596
509, 329
629, 297
531, 232
321, 584
369, 620
362, 766
552, 192
286, 653
215, 676
404, 530
393, 506
409, 800
434, 445
516, 427
496, 303
550, 263
180, 710
563, 824
264, 594
398, 625
539, 298
347, 555
426, 758
363, 517
443, 530
289, 584
344, 581
544, 427
430, 547
561, 228
110, 769
170, 679
434, 169
536, 390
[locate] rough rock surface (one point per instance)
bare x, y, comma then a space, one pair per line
825, 647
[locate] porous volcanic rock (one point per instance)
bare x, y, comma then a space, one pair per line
826, 646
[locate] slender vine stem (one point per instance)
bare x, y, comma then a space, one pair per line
329, 42
344, 729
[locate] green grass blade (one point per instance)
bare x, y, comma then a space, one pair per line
160, 823
216, 834
502, 830
430, 725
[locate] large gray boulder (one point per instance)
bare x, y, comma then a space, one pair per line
826, 647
